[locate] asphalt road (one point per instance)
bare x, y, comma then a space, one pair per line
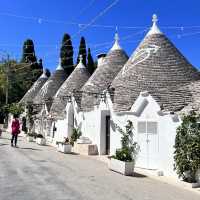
33, 172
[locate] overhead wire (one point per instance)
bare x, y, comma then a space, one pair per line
41, 19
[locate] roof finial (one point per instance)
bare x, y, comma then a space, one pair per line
154, 18
59, 67
116, 35
80, 64
154, 29
43, 73
116, 45
81, 58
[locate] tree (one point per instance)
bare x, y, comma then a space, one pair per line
15, 109
28, 55
2, 78
66, 54
82, 51
90, 63
187, 147
129, 148
47, 71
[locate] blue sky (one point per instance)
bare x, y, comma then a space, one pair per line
45, 22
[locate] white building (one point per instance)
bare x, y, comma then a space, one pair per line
155, 85
61, 112
151, 88
44, 99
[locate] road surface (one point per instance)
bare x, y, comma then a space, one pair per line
33, 172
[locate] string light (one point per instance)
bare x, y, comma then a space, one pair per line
41, 20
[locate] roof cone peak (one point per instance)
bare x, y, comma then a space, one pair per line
116, 45
154, 29
80, 64
43, 73
59, 67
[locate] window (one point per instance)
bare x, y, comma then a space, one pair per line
142, 127
147, 127
152, 127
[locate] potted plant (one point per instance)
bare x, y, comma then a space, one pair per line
65, 146
124, 159
75, 135
40, 139
30, 137
187, 149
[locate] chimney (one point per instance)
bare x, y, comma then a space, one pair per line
101, 58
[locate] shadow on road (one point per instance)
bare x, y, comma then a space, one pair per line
4, 138
3, 144
139, 175
28, 148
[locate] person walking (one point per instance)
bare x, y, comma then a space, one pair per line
15, 126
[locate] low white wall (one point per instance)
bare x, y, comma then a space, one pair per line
64, 127
90, 126
61, 130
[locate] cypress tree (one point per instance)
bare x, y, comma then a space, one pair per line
90, 62
47, 72
66, 54
82, 51
28, 55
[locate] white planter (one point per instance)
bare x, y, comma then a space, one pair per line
125, 168
195, 185
64, 148
41, 141
29, 139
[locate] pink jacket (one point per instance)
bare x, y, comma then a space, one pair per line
15, 127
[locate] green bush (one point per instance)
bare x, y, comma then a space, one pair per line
187, 147
40, 136
75, 135
129, 149
33, 134
15, 109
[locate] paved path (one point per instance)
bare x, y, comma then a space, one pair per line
33, 172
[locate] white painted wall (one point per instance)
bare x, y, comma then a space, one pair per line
90, 126
64, 127
61, 130
167, 130
142, 111
93, 126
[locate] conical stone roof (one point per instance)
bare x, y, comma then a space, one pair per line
51, 86
32, 92
155, 64
103, 76
74, 82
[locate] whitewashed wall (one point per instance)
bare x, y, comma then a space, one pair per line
90, 125
147, 109
64, 127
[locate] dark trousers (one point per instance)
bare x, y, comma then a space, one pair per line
14, 138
